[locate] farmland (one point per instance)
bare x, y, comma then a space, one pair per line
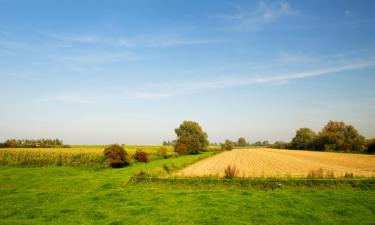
283, 163
81, 156
71, 195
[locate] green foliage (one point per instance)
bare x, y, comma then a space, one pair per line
370, 144
163, 152
340, 137
141, 156
304, 139
169, 143
116, 156
191, 139
242, 142
335, 136
280, 145
261, 143
227, 146
31, 143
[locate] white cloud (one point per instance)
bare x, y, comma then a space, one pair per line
162, 41
230, 82
261, 14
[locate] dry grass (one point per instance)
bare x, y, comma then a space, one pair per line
284, 163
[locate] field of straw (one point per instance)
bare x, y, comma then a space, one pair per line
283, 163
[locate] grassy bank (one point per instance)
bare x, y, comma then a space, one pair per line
69, 195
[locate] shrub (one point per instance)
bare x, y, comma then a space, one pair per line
319, 173
227, 146
163, 152
166, 168
141, 156
348, 175
116, 156
230, 172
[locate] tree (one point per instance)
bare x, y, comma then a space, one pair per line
304, 139
371, 146
241, 142
191, 139
339, 136
227, 146
281, 145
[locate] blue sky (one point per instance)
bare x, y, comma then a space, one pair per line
100, 72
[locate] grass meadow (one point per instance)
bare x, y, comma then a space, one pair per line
76, 195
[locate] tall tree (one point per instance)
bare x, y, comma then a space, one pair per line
241, 142
339, 136
191, 139
304, 139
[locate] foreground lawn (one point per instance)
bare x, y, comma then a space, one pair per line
62, 195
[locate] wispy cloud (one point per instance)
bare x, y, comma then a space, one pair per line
150, 40
230, 82
262, 13
68, 98
12, 44
103, 57
162, 41
75, 39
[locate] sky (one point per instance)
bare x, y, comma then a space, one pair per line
102, 72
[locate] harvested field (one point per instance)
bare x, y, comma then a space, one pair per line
283, 163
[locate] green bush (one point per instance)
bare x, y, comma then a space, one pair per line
163, 152
227, 146
116, 156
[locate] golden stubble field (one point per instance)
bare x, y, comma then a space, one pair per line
266, 162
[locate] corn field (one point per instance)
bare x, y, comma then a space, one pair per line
79, 157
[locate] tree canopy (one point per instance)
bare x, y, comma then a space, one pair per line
191, 139
304, 139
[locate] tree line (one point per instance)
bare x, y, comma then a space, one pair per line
335, 136
33, 143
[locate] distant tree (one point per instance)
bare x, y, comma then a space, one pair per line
191, 139
169, 143
34, 143
304, 139
339, 136
265, 143
371, 146
241, 142
280, 145
227, 146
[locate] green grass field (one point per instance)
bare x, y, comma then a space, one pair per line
70, 195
